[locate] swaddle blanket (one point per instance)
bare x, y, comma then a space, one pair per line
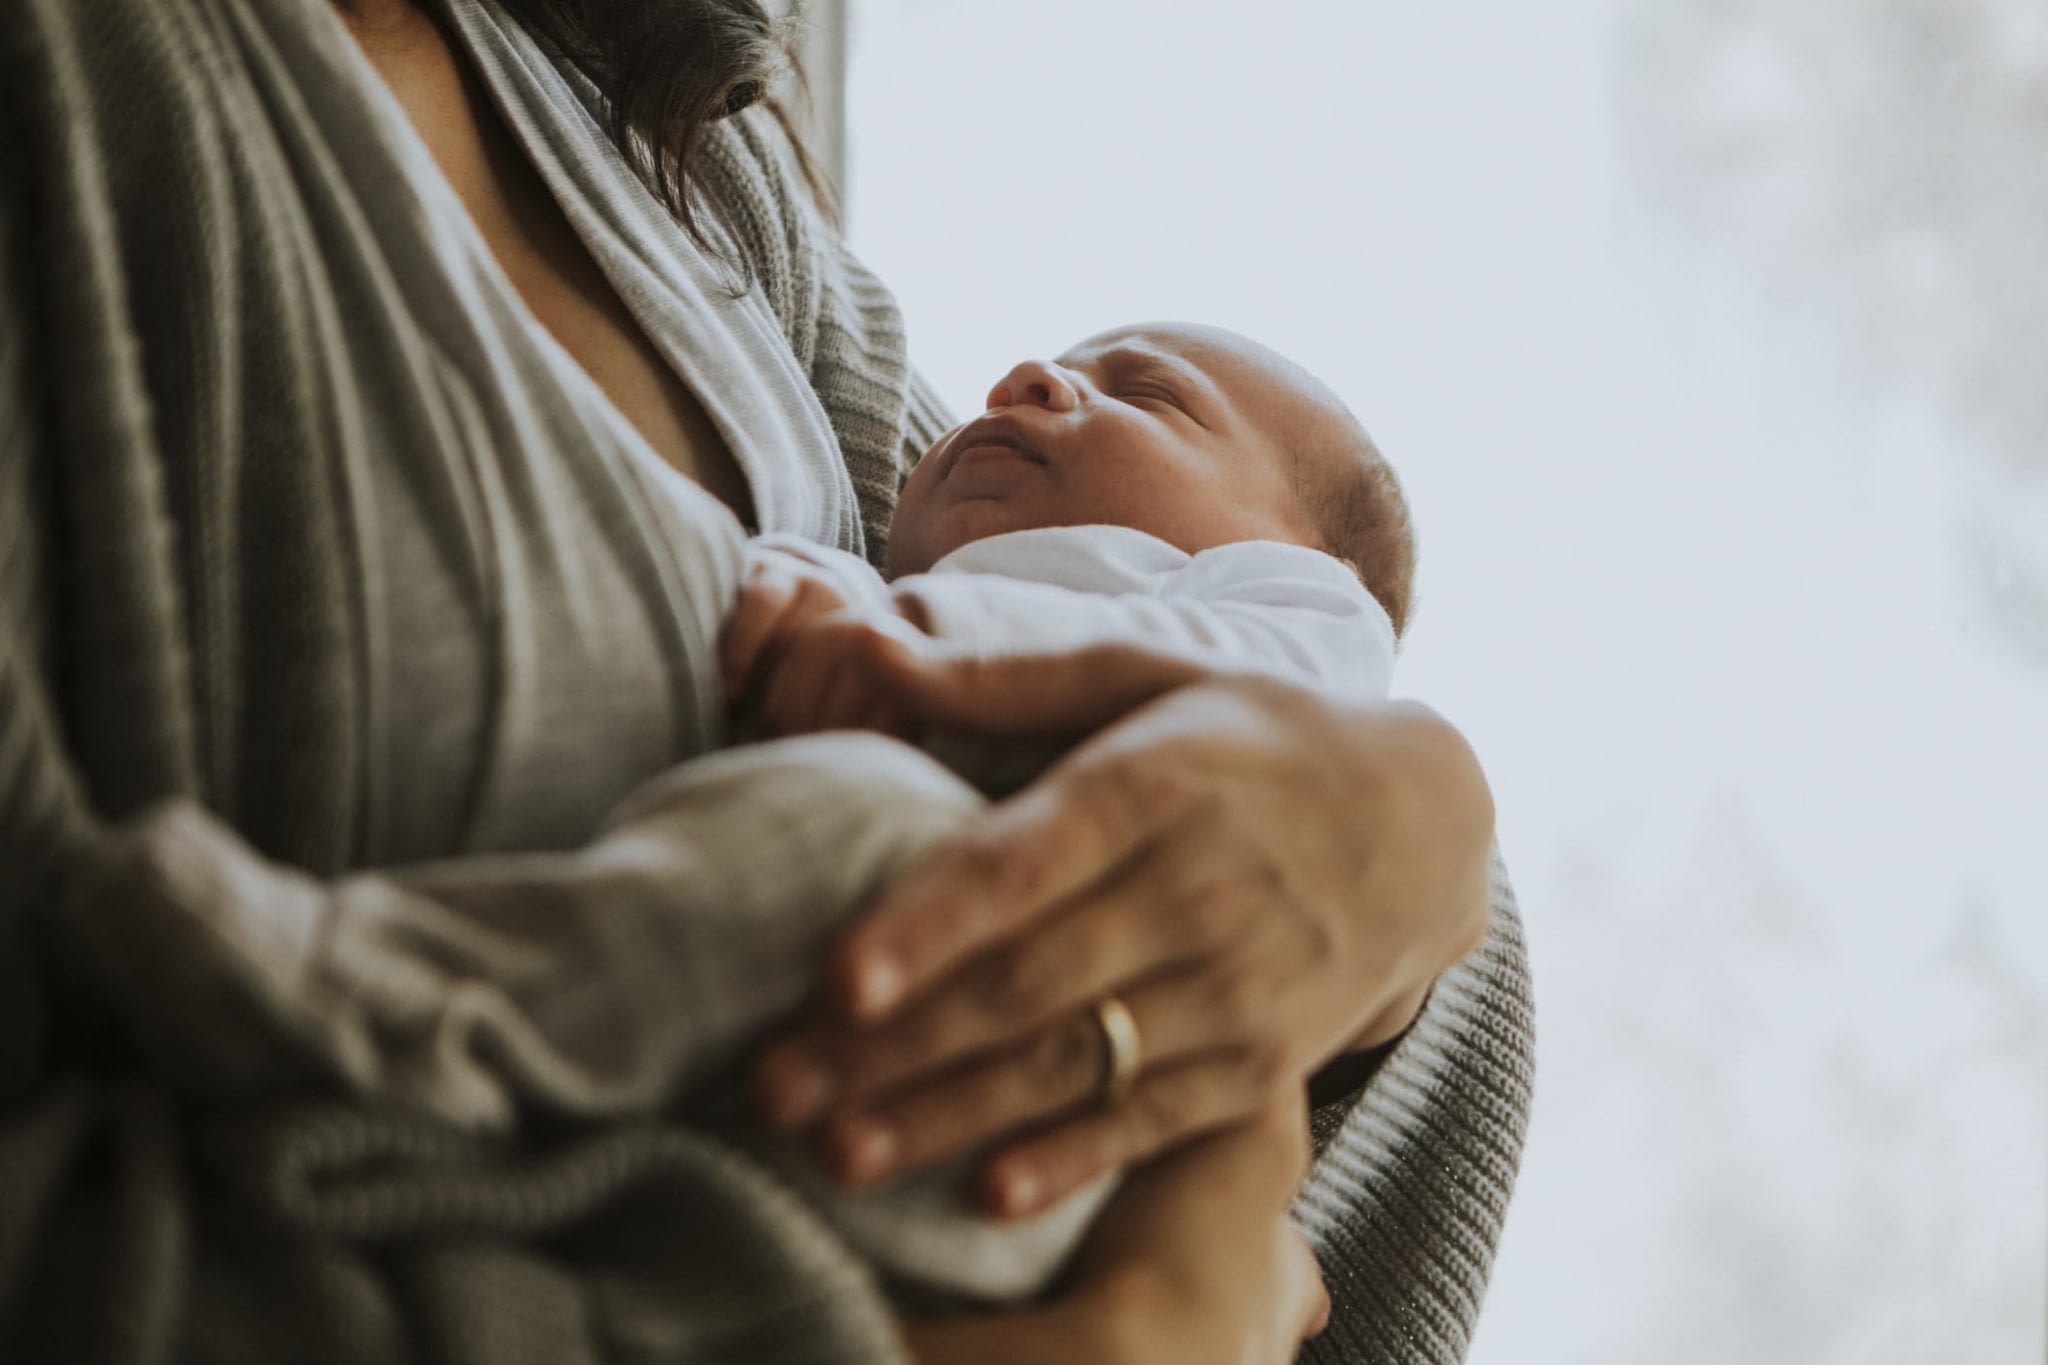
624, 980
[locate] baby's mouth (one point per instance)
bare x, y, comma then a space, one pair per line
990, 439
995, 450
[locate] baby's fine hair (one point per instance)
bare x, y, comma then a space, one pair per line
1362, 516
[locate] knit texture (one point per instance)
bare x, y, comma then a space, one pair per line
189, 353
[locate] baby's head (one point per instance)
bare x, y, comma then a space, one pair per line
1192, 434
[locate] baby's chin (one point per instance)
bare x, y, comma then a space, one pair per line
924, 536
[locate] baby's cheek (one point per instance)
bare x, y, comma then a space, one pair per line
1136, 492
908, 530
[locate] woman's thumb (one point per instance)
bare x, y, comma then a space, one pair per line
1022, 694
1314, 1296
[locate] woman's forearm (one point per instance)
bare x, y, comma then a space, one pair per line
1194, 1262
1435, 780
1077, 1327
1025, 1338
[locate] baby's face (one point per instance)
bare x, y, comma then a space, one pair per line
1188, 433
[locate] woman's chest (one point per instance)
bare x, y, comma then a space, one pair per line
540, 253
429, 592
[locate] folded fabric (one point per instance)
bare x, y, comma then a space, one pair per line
506, 995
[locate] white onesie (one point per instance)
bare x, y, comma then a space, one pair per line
1255, 604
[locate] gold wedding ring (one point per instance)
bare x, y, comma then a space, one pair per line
1122, 1052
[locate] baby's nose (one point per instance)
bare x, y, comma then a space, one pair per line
1035, 383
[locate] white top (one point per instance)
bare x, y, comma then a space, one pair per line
1256, 604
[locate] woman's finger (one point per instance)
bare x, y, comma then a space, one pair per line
1054, 1072
1169, 1106
1039, 848
1027, 694
800, 1077
1304, 1288
1058, 1071
1155, 920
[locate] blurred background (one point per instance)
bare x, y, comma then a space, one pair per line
1711, 337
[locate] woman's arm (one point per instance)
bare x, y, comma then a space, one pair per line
1194, 1261
1405, 1205
1265, 876
181, 1174
1409, 1192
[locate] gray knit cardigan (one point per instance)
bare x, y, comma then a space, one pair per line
158, 348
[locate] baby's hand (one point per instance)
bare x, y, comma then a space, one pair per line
831, 675
780, 596
797, 658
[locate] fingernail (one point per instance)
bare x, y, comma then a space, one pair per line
798, 1089
1018, 1191
867, 1148
877, 986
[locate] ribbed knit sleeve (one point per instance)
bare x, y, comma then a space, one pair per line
38, 792
1409, 1191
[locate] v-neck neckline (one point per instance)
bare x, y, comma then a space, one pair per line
779, 505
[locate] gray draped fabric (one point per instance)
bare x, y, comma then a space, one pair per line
308, 533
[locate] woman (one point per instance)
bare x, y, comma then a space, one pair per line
374, 454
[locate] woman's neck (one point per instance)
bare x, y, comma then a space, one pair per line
372, 15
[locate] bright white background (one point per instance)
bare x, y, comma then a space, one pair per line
1712, 340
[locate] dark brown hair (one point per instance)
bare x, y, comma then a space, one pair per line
668, 71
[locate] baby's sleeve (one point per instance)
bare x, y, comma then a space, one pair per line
856, 580
1261, 606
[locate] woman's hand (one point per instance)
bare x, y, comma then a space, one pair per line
1265, 877
1193, 1261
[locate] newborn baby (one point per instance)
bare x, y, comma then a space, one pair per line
1168, 485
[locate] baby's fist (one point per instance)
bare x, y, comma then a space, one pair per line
833, 674
780, 596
